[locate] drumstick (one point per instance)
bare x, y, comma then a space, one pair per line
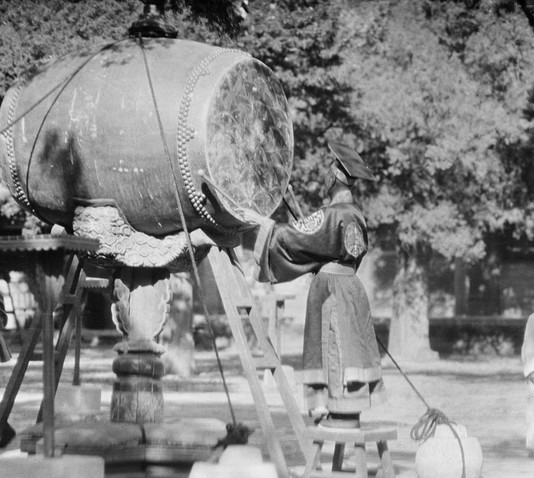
295, 202
289, 209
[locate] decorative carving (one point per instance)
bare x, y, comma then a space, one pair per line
121, 245
138, 392
120, 307
354, 240
311, 223
140, 307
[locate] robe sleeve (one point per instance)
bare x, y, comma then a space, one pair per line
284, 252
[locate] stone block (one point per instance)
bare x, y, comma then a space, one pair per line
66, 466
212, 470
236, 461
186, 440
76, 400
114, 442
187, 432
241, 454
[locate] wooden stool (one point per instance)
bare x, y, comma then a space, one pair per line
340, 437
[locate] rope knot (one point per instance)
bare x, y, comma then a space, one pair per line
425, 428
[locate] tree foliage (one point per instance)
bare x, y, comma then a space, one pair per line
32, 31
440, 89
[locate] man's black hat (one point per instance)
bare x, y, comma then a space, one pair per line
349, 162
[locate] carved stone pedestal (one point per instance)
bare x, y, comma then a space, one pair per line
140, 309
137, 392
141, 301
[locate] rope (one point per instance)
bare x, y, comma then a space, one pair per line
425, 428
235, 427
403, 374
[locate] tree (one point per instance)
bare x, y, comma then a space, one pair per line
440, 92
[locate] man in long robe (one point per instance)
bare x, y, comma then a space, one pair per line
341, 362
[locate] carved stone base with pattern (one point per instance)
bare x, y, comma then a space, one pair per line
140, 309
141, 299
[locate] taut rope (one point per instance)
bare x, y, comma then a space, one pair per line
237, 433
425, 428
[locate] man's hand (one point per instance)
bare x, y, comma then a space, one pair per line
199, 238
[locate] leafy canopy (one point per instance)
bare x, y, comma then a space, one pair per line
440, 90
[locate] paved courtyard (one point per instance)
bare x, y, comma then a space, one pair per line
487, 396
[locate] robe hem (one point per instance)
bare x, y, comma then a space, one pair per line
357, 374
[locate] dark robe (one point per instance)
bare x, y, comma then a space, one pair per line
340, 347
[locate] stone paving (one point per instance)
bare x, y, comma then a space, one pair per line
487, 396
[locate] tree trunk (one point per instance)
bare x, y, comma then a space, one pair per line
408, 335
460, 287
177, 335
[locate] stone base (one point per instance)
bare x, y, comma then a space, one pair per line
137, 392
212, 470
185, 441
114, 442
65, 466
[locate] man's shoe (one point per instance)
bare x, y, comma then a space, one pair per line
341, 420
318, 414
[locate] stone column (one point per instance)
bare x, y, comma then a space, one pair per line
140, 309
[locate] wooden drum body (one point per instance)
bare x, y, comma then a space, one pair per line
85, 129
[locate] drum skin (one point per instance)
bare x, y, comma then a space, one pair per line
86, 129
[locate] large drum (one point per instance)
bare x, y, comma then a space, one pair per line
96, 126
